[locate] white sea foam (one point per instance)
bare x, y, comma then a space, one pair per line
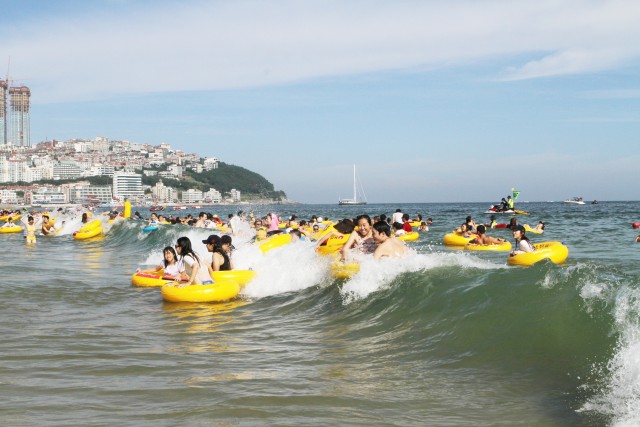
621, 397
289, 268
375, 275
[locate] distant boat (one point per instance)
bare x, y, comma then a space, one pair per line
575, 201
156, 208
355, 200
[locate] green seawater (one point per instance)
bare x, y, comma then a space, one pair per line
443, 337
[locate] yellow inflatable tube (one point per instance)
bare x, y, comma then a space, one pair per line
455, 239
333, 244
14, 229
6, 217
241, 277
528, 229
89, 230
217, 292
505, 246
275, 242
344, 270
149, 279
555, 252
409, 237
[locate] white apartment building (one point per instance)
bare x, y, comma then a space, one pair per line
163, 194
212, 196
211, 163
176, 170
191, 196
66, 169
8, 196
44, 196
98, 170
101, 193
235, 195
127, 185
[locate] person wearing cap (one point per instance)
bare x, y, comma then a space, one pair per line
523, 244
220, 260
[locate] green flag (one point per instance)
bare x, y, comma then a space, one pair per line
516, 193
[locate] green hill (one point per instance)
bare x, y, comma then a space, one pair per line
225, 178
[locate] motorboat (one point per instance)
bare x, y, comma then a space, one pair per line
575, 201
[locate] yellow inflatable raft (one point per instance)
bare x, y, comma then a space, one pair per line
241, 277
455, 239
14, 229
528, 229
505, 246
409, 237
275, 241
15, 217
555, 252
217, 292
89, 230
344, 270
149, 279
333, 244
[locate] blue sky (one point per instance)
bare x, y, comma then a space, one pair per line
434, 101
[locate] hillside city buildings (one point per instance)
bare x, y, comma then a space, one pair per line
124, 164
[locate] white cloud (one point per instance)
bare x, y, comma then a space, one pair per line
222, 45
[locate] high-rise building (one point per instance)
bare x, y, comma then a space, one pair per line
20, 116
3, 112
127, 185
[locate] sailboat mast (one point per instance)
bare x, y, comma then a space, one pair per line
354, 184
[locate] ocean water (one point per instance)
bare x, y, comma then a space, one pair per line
442, 337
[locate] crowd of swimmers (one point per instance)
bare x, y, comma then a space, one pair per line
365, 236
470, 228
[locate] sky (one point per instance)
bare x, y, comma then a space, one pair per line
433, 101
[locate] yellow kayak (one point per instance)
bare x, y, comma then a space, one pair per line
555, 252
217, 292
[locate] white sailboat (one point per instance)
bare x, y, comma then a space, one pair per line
355, 200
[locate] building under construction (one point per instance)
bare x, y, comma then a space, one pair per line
15, 114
